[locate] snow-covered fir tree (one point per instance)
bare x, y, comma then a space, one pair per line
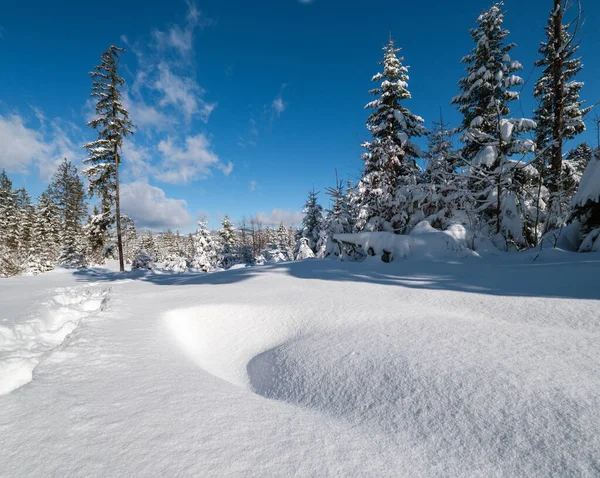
490, 135
44, 252
586, 206
312, 221
560, 111
67, 192
148, 245
440, 197
338, 219
227, 252
130, 238
112, 124
390, 167
26, 221
97, 232
9, 228
205, 251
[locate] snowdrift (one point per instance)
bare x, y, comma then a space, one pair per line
24, 344
423, 242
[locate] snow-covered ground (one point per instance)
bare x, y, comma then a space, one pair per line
456, 367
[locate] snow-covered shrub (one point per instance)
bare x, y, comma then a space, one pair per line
304, 251
142, 261
71, 257
176, 263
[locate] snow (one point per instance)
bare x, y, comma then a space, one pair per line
589, 186
457, 366
423, 242
486, 156
24, 342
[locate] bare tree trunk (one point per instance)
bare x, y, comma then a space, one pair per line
499, 185
557, 106
118, 211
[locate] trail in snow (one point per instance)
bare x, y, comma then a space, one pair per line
24, 344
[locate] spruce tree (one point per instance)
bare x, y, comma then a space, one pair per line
227, 236
9, 228
338, 219
44, 251
312, 221
560, 112
586, 206
205, 251
113, 125
68, 194
490, 136
440, 198
9, 217
390, 166
441, 159
26, 220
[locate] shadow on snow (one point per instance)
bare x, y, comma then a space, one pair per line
554, 274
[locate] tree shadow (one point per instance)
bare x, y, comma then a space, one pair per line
555, 274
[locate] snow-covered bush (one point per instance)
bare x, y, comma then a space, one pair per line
142, 261
304, 251
176, 263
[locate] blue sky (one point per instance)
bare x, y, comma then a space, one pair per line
241, 106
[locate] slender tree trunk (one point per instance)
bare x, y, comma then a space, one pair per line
499, 185
557, 106
118, 211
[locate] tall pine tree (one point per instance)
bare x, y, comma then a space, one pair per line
113, 125
390, 166
489, 134
560, 112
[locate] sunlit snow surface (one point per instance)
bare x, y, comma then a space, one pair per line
464, 366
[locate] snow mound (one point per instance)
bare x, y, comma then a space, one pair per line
424, 241
23, 345
222, 339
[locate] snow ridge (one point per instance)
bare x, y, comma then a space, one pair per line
23, 345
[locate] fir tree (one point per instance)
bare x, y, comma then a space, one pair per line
9, 217
26, 220
390, 158
489, 134
68, 194
113, 125
560, 112
44, 251
312, 221
338, 219
586, 206
440, 199
441, 160
96, 232
226, 257
205, 253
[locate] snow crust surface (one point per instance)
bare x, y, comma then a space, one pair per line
443, 367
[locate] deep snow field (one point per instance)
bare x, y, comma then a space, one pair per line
455, 367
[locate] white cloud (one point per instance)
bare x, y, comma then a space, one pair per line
22, 146
277, 216
183, 93
146, 117
186, 163
252, 186
150, 208
278, 105
181, 37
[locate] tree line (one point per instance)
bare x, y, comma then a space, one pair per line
509, 182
